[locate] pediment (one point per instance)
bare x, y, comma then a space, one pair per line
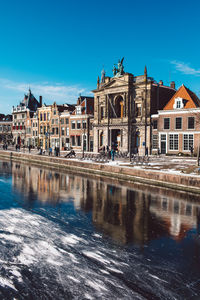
114, 82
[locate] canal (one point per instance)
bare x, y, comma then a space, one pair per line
66, 236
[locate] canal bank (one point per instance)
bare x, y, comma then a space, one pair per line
182, 182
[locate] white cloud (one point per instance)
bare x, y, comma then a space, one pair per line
185, 68
50, 92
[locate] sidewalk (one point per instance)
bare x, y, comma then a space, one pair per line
168, 164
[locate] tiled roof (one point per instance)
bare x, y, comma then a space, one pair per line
186, 94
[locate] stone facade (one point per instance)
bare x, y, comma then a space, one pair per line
123, 106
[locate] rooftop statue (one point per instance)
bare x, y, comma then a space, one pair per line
103, 73
119, 70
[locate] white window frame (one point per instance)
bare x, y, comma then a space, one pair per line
155, 135
189, 135
173, 134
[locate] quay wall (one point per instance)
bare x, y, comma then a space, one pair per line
182, 182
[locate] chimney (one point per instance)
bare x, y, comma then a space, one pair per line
79, 100
161, 82
172, 84
40, 100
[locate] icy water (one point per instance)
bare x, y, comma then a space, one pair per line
64, 236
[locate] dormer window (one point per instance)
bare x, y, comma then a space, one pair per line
178, 104
78, 110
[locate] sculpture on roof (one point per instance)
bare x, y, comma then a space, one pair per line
119, 70
103, 73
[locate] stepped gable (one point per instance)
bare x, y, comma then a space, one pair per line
191, 99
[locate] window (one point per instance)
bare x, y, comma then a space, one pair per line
166, 123
155, 141
173, 142
67, 121
15, 117
78, 110
101, 139
138, 110
56, 121
188, 210
54, 112
176, 207
23, 116
44, 129
73, 123
41, 129
178, 123
78, 124
155, 124
52, 121
73, 140
56, 130
67, 131
190, 122
102, 112
53, 130
48, 116
78, 140
63, 131
178, 104
62, 121
40, 117
44, 117
188, 141
84, 124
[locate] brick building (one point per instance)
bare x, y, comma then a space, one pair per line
176, 128
80, 127
50, 132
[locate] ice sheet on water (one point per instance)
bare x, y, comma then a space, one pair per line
36, 254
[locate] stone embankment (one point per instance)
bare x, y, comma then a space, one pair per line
183, 182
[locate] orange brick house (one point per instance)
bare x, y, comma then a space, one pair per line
176, 128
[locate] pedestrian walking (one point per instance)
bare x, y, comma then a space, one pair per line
50, 151
113, 154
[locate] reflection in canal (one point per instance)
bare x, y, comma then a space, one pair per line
94, 238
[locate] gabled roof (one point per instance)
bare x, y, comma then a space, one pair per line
192, 101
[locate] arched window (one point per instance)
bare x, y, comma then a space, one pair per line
119, 107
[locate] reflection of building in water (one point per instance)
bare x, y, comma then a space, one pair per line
50, 186
125, 214
134, 216
179, 216
5, 168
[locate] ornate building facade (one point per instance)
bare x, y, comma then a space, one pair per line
6, 129
27, 107
123, 105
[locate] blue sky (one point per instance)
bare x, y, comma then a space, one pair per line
58, 48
